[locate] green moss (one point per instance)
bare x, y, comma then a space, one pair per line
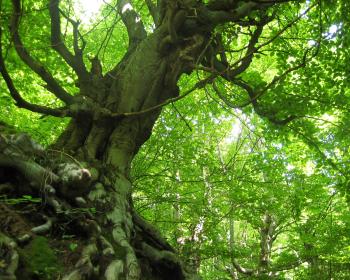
39, 259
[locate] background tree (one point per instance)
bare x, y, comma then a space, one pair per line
250, 176
286, 61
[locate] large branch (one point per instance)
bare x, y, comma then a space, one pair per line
36, 66
218, 12
251, 49
253, 95
230, 72
241, 269
132, 21
74, 61
20, 102
217, 5
81, 105
153, 10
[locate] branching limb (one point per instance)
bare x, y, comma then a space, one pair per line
152, 10
76, 36
37, 67
228, 71
251, 49
132, 21
254, 94
271, 116
84, 267
20, 102
276, 79
75, 61
224, 98
242, 64
76, 105
218, 12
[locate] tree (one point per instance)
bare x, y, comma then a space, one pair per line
219, 219
218, 44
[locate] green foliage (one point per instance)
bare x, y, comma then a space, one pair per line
207, 179
41, 259
23, 199
210, 173
73, 246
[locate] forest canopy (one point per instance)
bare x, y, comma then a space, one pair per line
174, 139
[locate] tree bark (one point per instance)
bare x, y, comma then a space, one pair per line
118, 243
108, 145
112, 116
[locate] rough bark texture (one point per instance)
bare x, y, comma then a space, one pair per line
142, 80
116, 243
112, 116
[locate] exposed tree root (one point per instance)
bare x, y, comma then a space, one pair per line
84, 267
9, 258
114, 242
44, 228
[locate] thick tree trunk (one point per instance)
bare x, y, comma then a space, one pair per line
123, 245
112, 117
116, 243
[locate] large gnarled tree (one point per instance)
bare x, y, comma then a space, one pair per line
115, 110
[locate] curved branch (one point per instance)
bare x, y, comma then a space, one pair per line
74, 61
37, 67
20, 102
276, 79
76, 36
253, 95
152, 10
218, 12
251, 49
228, 72
241, 269
132, 21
